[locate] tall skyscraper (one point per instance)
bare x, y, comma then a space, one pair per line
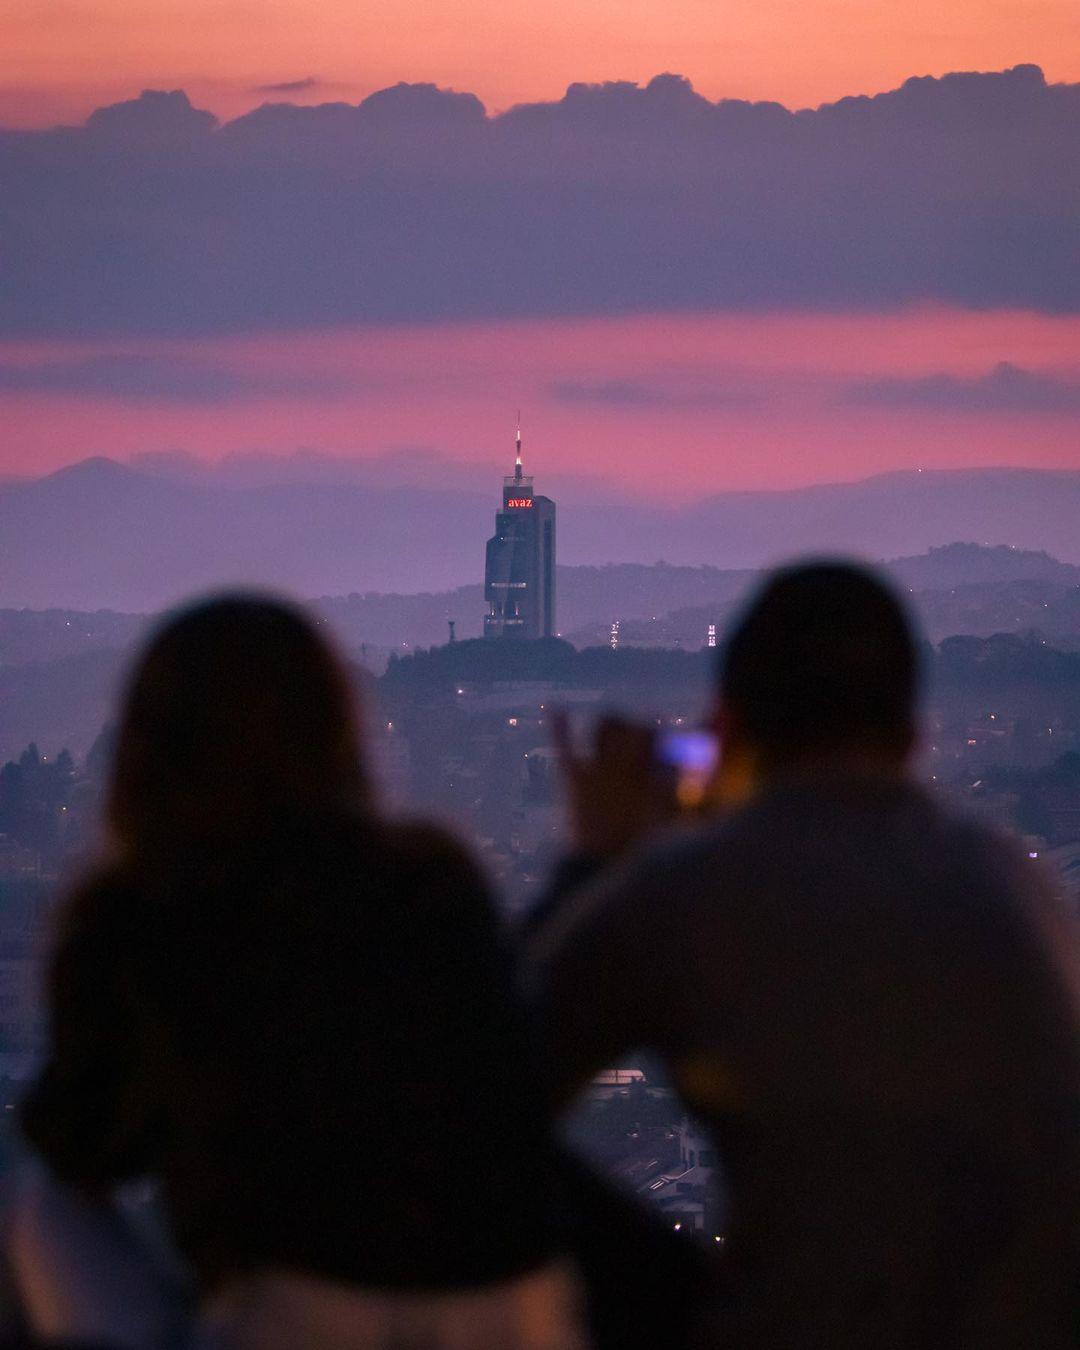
519, 574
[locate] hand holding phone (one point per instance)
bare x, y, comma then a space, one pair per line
693, 755
617, 791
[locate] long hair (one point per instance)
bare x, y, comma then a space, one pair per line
239, 717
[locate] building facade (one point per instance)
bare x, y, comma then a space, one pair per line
519, 572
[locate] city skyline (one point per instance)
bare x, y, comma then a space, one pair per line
519, 559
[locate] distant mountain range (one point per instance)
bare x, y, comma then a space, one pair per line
100, 534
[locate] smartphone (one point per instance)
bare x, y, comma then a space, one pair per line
693, 755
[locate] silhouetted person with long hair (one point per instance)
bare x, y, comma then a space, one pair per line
296, 1017
872, 1005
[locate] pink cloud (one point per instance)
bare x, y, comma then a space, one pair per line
729, 402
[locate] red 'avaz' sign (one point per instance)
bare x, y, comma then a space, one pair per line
518, 501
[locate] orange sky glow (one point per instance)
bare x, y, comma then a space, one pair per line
729, 401
58, 60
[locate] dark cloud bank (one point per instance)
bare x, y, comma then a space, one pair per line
304, 86
660, 392
134, 378
416, 205
1005, 389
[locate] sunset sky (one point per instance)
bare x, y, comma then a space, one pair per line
703, 297
59, 59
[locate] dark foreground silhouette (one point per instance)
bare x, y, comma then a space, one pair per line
297, 1020
873, 1006
299, 1023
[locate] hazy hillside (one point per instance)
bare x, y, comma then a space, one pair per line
586, 595
30, 636
59, 704
103, 535
957, 588
100, 535
976, 564
58, 668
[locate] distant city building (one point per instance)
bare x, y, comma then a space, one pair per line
519, 574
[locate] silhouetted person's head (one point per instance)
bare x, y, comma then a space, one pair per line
238, 716
821, 668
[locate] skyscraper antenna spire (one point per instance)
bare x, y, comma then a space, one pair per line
517, 444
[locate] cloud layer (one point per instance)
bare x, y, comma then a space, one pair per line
302, 86
416, 205
1005, 389
131, 377
661, 391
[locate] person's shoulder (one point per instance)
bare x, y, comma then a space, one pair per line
103, 883
420, 844
426, 865
343, 844
971, 844
710, 843
93, 932
1009, 887
104, 898
674, 859
643, 889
